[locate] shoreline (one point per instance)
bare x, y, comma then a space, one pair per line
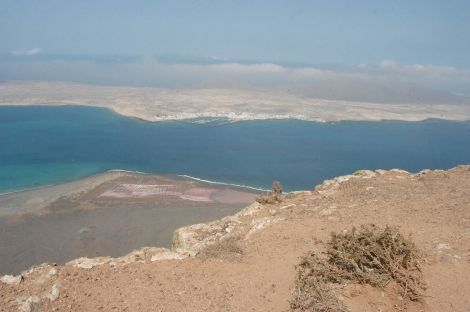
223, 183
230, 117
110, 171
164, 104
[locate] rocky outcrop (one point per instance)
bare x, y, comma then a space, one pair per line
143, 255
196, 237
329, 186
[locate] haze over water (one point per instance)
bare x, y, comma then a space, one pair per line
49, 145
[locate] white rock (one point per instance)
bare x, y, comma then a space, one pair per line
37, 268
52, 272
167, 255
299, 193
88, 263
399, 171
364, 174
11, 280
54, 293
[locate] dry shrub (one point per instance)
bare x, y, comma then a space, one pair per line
273, 197
227, 249
369, 255
312, 293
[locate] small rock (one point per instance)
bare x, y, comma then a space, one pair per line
85, 230
287, 206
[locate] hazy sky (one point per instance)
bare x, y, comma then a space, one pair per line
352, 36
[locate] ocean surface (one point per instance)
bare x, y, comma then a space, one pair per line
43, 145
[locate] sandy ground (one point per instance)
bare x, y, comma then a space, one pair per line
258, 275
105, 215
155, 104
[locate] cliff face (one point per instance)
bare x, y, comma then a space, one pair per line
247, 261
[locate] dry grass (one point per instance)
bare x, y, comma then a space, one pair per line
369, 255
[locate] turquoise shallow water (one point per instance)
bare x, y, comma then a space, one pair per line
42, 145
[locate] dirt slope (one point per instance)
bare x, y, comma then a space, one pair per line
251, 266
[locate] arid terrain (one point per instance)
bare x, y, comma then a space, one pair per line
157, 104
247, 261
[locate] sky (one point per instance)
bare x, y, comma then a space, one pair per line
172, 42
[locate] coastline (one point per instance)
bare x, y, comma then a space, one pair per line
109, 214
108, 174
232, 117
159, 105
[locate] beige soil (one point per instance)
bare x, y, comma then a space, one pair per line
255, 270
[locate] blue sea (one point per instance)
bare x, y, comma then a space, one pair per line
43, 145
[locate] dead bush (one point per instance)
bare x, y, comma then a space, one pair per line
277, 187
273, 197
369, 255
313, 294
